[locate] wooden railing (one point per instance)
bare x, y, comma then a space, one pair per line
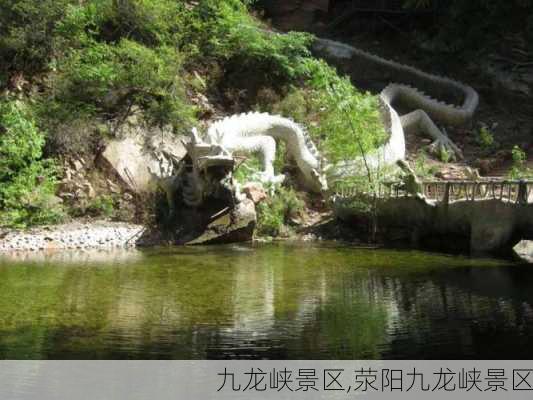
517, 192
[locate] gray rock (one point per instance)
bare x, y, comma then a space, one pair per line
134, 155
524, 249
235, 226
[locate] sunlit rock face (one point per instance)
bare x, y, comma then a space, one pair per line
134, 155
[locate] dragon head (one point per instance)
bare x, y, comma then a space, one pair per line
206, 155
318, 181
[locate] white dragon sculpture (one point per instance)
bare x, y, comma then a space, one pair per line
408, 93
257, 132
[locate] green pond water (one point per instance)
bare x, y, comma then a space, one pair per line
278, 301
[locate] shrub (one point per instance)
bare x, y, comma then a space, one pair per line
351, 118
75, 138
152, 23
27, 183
225, 30
485, 138
109, 80
116, 54
519, 168
444, 155
103, 205
421, 166
26, 33
107, 57
247, 169
274, 213
296, 105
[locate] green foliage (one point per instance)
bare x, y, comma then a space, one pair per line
274, 213
519, 169
296, 104
345, 123
103, 205
422, 167
485, 138
445, 155
247, 169
27, 183
109, 55
120, 54
152, 23
226, 30
105, 59
109, 78
350, 120
27, 31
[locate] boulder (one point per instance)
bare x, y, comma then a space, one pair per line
135, 155
255, 192
236, 225
524, 249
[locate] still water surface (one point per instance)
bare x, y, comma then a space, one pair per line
275, 301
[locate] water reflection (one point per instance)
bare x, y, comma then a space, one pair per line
276, 301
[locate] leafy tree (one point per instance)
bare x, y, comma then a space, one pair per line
27, 183
26, 33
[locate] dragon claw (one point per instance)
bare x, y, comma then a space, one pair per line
444, 146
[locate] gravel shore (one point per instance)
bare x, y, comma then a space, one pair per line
99, 234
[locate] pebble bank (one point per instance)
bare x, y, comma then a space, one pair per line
104, 235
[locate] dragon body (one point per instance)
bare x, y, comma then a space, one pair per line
407, 91
258, 132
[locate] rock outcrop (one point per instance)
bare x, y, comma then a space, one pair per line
135, 156
236, 225
524, 250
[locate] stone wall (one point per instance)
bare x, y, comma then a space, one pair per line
487, 226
